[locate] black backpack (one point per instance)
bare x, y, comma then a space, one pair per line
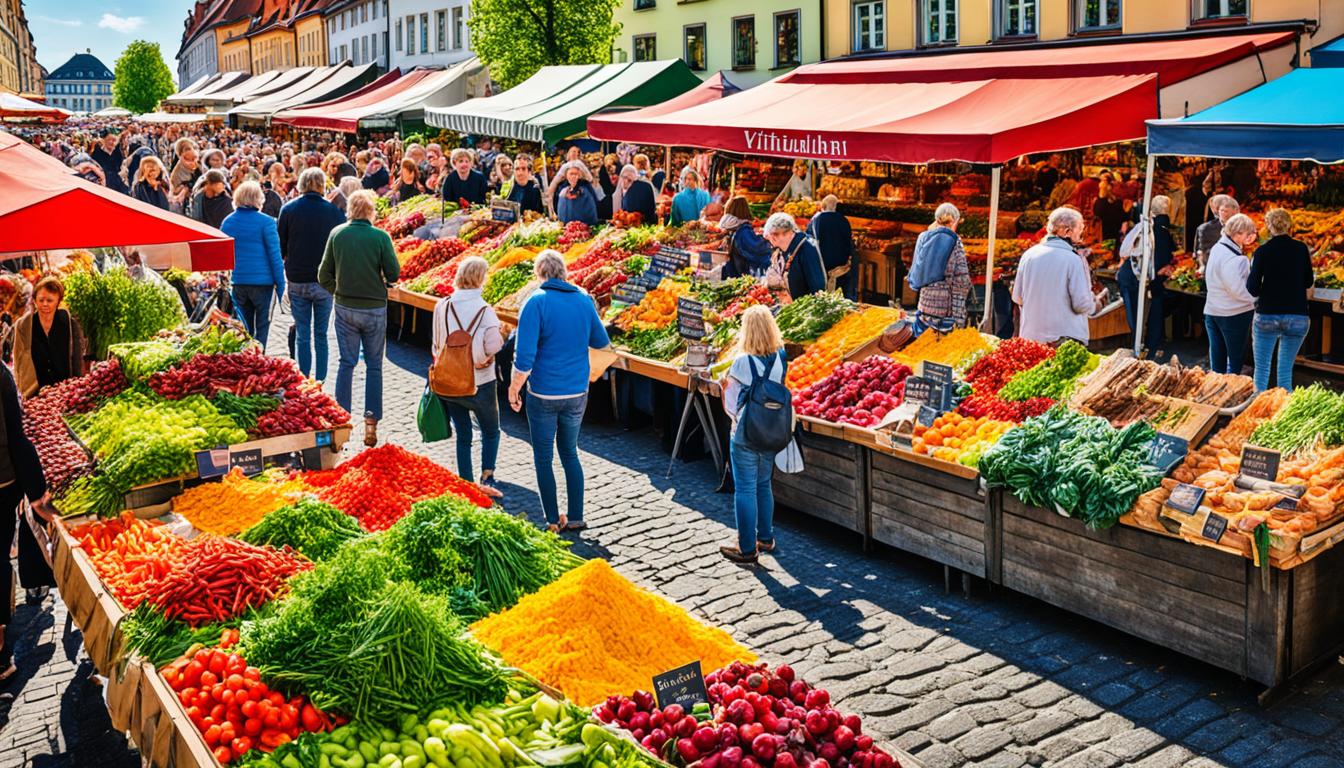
766, 416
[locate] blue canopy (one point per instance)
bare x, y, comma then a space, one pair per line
1330, 54
1299, 116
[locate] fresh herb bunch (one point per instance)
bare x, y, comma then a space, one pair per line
811, 315
653, 343
160, 640
313, 528
244, 410
1053, 377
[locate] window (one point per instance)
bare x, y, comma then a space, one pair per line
398, 35
441, 25
744, 42
787, 52
410, 35
646, 48
345, 53
342, 22
424, 33
1017, 18
384, 38
363, 13
458, 28
1097, 14
375, 11
1221, 9
940, 21
644, 5
694, 47
364, 48
870, 24
373, 45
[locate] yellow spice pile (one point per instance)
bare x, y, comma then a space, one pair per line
591, 634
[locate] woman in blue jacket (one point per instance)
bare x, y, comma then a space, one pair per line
575, 199
748, 253
557, 326
258, 270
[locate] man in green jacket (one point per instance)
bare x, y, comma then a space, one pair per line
357, 266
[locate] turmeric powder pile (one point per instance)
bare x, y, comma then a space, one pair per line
591, 633
236, 502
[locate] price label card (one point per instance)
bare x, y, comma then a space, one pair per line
669, 260
938, 373
1186, 498
503, 210
919, 390
249, 461
1214, 527
294, 460
1287, 503
683, 685
212, 463
323, 438
628, 293
690, 318
1260, 463
926, 415
1167, 451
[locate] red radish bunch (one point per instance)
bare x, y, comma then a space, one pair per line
435, 253
304, 409
649, 725
856, 393
83, 394
241, 373
401, 226
757, 294
62, 458
997, 408
600, 255
575, 232
232, 708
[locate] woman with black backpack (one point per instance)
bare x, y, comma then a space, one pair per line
762, 412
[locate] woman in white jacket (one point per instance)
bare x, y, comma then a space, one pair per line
457, 313
1229, 307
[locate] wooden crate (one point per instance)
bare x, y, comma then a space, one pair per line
831, 485
92, 607
161, 729
1263, 624
934, 514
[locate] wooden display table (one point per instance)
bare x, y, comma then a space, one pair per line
928, 512
833, 484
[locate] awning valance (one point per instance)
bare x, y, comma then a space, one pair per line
321, 84
406, 96
1297, 117
221, 83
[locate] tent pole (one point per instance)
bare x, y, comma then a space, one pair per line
1147, 222
667, 168
995, 175
545, 184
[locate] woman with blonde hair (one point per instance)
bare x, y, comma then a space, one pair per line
466, 311
258, 270
753, 498
501, 176
151, 182
1280, 279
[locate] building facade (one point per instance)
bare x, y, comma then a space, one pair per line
864, 26
19, 71
754, 41
82, 84
358, 30
429, 32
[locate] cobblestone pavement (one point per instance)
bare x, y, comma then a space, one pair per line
993, 680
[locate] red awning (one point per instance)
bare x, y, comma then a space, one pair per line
1171, 60
369, 94
979, 121
713, 89
45, 207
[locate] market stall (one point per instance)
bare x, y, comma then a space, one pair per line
1283, 120
208, 91
15, 107
320, 85
395, 102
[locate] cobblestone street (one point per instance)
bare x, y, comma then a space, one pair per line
990, 680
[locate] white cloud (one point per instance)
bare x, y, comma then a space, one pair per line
61, 22
122, 24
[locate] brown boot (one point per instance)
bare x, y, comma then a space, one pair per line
370, 431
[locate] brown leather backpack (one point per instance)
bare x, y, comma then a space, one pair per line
453, 372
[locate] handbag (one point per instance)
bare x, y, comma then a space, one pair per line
432, 419
790, 460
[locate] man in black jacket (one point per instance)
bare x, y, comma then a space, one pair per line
464, 182
304, 225
835, 240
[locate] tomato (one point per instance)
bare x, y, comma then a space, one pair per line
202, 656
212, 736
204, 701
271, 719
191, 674
252, 726
218, 712
277, 699
242, 745
235, 681
224, 755
312, 721
187, 696
226, 733
196, 715
209, 679
249, 708
252, 673
236, 665
217, 661
227, 696
170, 676
289, 719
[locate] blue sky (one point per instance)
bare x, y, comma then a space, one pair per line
62, 28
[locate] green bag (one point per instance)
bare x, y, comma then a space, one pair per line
432, 418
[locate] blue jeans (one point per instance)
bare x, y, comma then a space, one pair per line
1227, 341
753, 499
554, 426
311, 305
1288, 331
253, 303
1129, 292
486, 407
356, 328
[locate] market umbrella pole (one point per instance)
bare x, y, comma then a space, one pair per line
987, 322
546, 184
1147, 223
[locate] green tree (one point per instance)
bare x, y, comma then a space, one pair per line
143, 79
515, 38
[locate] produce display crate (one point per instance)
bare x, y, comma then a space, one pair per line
91, 605
1267, 625
161, 730
832, 485
651, 369
930, 508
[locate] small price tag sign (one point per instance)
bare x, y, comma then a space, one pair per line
919, 390
669, 260
504, 210
1167, 451
1287, 503
212, 463
938, 373
1215, 526
628, 293
690, 318
926, 415
1260, 463
323, 438
249, 461
1186, 498
683, 685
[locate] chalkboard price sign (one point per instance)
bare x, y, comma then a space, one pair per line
1186, 498
669, 260
683, 685
1260, 463
628, 293
504, 210
212, 463
1166, 451
926, 415
938, 373
690, 318
920, 390
1214, 527
248, 461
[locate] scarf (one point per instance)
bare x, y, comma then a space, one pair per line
729, 222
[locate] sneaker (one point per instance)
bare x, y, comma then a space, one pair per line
738, 556
489, 488
35, 595
765, 546
370, 431
577, 525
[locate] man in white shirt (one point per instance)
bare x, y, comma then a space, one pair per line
1054, 284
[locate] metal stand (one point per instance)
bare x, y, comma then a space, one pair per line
698, 400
